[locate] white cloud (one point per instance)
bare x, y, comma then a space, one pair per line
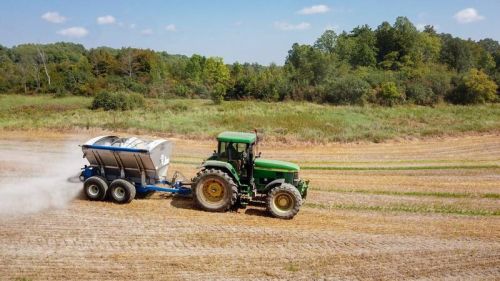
316, 9
468, 15
171, 27
132, 25
147, 31
76, 32
289, 26
238, 23
108, 19
54, 17
420, 26
333, 27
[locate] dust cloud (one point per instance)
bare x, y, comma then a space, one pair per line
36, 176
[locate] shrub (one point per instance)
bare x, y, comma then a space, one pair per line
117, 101
420, 94
389, 94
474, 87
376, 77
496, 78
218, 92
240, 89
84, 90
102, 100
60, 93
115, 83
137, 87
181, 90
347, 90
439, 81
199, 90
135, 100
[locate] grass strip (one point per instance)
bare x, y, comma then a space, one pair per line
402, 168
491, 195
428, 161
186, 162
416, 193
439, 209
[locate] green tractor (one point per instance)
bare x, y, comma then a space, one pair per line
235, 175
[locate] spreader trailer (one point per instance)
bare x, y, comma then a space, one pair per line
122, 169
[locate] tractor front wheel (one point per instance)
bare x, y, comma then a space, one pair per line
122, 191
284, 201
214, 191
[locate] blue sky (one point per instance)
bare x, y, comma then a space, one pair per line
245, 31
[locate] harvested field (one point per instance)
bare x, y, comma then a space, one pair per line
427, 209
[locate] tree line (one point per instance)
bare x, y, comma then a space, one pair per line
392, 64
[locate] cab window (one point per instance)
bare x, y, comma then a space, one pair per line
241, 147
235, 149
223, 149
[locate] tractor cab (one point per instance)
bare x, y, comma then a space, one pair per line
237, 149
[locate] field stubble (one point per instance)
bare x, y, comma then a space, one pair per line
357, 224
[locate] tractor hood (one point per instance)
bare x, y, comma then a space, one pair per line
265, 164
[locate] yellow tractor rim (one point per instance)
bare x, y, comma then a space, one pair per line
283, 202
213, 191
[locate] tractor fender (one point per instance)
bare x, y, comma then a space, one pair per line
222, 166
274, 183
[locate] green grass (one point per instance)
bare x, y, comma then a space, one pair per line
440, 209
415, 193
292, 267
401, 168
282, 121
378, 168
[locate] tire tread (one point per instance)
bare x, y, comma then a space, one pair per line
229, 180
287, 188
103, 186
128, 186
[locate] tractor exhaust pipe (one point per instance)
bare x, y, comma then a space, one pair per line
251, 160
257, 153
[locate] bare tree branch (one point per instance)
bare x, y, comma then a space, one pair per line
42, 57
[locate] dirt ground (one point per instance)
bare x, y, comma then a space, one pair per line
424, 210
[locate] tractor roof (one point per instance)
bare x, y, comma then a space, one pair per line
237, 137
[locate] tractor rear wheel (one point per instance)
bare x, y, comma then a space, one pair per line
284, 201
122, 191
95, 188
214, 191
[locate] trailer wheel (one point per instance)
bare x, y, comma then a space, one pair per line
284, 201
214, 191
122, 191
95, 188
